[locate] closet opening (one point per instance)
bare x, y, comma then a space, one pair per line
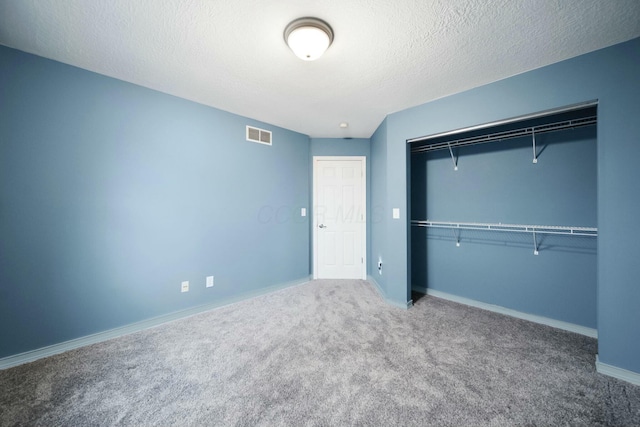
504, 214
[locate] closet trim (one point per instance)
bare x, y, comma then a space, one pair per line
545, 113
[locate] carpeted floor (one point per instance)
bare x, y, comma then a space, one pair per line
325, 353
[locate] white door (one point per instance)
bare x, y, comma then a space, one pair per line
339, 217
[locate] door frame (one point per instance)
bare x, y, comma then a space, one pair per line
314, 222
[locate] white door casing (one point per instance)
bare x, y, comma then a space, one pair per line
339, 218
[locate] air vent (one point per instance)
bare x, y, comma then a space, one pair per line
260, 136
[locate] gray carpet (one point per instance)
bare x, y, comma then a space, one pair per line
325, 353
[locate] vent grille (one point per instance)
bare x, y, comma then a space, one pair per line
260, 136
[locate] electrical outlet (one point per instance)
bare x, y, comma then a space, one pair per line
185, 286
209, 281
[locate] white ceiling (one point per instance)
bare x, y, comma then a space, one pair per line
386, 55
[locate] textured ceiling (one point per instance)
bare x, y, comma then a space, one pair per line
386, 55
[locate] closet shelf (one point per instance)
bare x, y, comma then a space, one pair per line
534, 230
499, 136
514, 228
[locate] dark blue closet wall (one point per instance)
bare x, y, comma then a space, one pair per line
499, 183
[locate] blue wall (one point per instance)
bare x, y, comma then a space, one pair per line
112, 194
609, 75
343, 147
378, 215
498, 183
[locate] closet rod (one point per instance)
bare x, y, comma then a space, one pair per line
513, 228
498, 136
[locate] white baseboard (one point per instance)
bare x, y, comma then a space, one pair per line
619, 373
383, 294
571, 327
33, 355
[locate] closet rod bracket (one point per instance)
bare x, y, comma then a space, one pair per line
535, 153
453, 158
456, 235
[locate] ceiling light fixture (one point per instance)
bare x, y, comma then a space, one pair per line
308, 38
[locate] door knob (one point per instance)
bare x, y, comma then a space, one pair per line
322, 226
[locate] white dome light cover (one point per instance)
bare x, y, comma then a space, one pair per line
308, 38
